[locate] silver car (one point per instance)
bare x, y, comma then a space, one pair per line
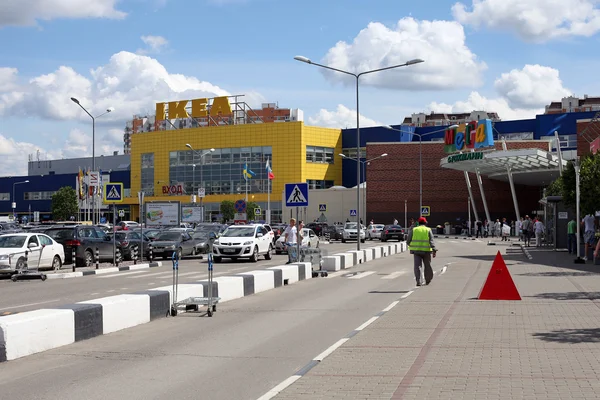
374, 231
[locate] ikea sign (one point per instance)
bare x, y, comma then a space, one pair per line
472, 135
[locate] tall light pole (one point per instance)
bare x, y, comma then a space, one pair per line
194, 152
357, 76
420, 136
364, 163
14, 204
108, 110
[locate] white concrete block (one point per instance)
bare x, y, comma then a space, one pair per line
230, 287
359, 256
404, 247
307, 269
263, 280
346, 260
65, 275
289, 272
392, 247
368, 254
107, 270
332, 263
139, 266
377, 252
36, 331
183, 292
122, 311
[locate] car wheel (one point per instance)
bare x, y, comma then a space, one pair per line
343, 240
269, 254
362, 240
88, 258
56, 263
254, 257
20, 263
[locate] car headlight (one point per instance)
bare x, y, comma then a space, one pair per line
248, 243
216, 242
4, 257
172, 246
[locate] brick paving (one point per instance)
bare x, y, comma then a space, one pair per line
441, 343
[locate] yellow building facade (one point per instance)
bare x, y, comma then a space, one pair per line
161, 161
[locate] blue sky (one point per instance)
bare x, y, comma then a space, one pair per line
508, 56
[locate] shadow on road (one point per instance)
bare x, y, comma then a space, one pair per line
568, 296
583, 335
558, 273
387, 291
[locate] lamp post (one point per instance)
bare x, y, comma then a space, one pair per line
357, 77
363, 164
194, 152
420, 136
14, 204
108, 110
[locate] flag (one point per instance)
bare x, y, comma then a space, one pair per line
247, 173
269, 171
80, 181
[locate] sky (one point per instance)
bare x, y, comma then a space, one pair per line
512, 57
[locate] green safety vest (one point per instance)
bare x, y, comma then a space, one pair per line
420, 240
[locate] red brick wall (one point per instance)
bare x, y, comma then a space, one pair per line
395, 178
583, 145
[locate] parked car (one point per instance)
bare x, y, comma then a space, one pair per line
200, 239
152, 233
350, 232
278, 230
43, 252
85, 239
210, 227
335, 232
317, 227
374, 231
270, 232
243, 241
309, 239
392, 232
126, 225
171, 241
129, 240
9, 227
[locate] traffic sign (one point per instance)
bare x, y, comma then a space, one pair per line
257, 211
240, 206
121, 213
113, 193
425, 211
353, 213
323, 207
201, 192
296, 194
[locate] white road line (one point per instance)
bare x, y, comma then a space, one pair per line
330, 350
444, 270
93, 294
388, 308
369, 322
361, 275
156, 273
151, 283
279, 388
121, 274
394, 275
336, 274
110, 291
30, 304
405, 295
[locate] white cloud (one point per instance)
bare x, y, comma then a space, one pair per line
155, 44
13, 156
534, 86
79, 144
342, 117
449, 63
8, 79
27, 12
533, 20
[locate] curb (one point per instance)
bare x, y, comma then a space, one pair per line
526, 252
78, 274
36, 331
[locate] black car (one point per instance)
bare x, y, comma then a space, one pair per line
392, 232
84, 239
317, 227
172, 241
9, 227
335, 232
130, 240
201, 241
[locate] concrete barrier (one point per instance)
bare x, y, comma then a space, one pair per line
368, 254
377, 252
358, 256
290, 273
332, 263
122, 311
346, 260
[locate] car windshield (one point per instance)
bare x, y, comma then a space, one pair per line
12, 242
246, 231
169, 236
208, 228
200, 235
152, 234
378, 226
61, 234
350, 225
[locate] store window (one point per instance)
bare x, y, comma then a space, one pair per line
147, 178
351, 152
38, 195
323, 155
4, 196
319, 184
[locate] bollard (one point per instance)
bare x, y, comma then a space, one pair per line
74, 257
117, 257
150, 252
97, 256
25, 265
135, 255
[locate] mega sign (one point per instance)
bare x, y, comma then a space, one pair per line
473, 135
199, 108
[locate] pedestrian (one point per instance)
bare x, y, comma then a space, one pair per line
572, 236
505, 230
395, 221
479, 229
520, 228
497, 228
421, 245
538, 228
486, 228
589, 234
527, 227
290, 237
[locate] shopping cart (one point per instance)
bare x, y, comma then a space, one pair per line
305, 255
193, 303
22, 270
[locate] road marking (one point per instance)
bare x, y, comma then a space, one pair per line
280, 388
444, 270
336, 274
330, 350
361, 275
394, 275
369, 322
30, 304
388, 308
151, 283
121, 274
110, 291
93, 294
154, 274
405, 295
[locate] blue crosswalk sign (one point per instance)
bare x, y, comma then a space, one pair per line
353, 213
323, 207
113, 192
296, 194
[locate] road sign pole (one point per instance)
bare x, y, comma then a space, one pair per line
298, 234
114, 234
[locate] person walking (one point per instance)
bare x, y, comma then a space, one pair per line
539, 228
479, 231
589, 234
291, 238
421, 245
572, 236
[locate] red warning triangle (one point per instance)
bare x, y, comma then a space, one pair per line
499, 284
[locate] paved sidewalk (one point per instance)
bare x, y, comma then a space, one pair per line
441, 343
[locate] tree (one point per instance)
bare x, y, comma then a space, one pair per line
227, 210
64, 204
250, 207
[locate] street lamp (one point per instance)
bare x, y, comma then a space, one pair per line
108, 110
420, 136
364, 172
201, 172
357, 76
14, 204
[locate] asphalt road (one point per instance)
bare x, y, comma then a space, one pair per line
247, 348
34, 294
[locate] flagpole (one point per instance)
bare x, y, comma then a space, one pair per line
246, 181
268, 195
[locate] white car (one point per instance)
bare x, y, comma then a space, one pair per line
243, 241
309, 239
42, 252
350, 232
374, 231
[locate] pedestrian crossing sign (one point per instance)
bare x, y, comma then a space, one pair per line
296, 194
323, 207
113, 193
353, 213
425, 211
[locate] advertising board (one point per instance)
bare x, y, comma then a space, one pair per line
191, 214
162, 213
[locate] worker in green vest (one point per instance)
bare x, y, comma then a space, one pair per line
421, 245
